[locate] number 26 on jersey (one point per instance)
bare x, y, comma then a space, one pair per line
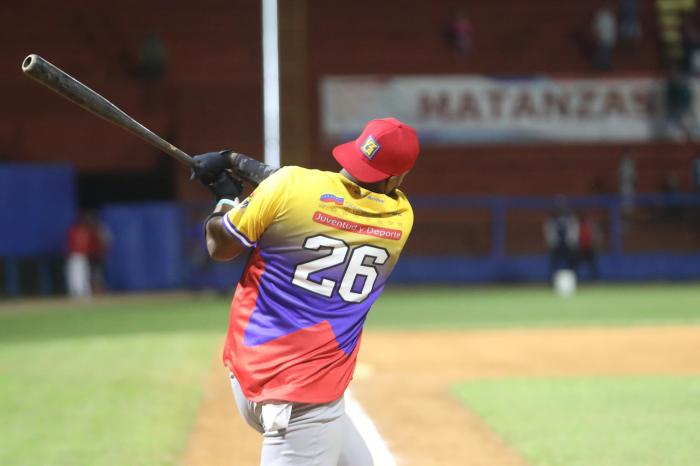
363, 262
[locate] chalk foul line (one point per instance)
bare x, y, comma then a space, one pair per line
378, 448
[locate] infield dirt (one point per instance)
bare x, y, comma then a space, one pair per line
404, 380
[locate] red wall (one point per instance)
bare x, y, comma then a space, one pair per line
210, 98
212, 95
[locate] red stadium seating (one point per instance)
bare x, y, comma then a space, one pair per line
510, 37
211, 95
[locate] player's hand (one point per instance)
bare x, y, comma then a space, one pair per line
210, 165
226, 187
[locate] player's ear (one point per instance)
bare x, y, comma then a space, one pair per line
394, 182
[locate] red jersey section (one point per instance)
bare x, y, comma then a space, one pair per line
285, 369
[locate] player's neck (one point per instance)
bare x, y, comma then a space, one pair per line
378, 187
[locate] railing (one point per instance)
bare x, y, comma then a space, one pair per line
500, 207
647, 237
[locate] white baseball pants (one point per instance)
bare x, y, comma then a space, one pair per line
78, 276
315, 434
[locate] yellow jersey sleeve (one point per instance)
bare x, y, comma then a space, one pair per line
249, 219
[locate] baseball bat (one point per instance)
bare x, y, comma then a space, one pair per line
66, 85
250, 169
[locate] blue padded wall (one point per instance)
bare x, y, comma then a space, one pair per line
535, 268
37, 206
147, 246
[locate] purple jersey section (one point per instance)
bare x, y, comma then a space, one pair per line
283, 308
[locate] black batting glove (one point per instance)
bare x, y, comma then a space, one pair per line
210, 165
225, 187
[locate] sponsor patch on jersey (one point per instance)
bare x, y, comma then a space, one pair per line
359, 228
370, 147
245, 203
332, 198
375, 199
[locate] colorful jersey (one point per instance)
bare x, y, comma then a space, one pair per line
323, 250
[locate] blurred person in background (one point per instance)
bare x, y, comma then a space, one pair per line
680, 123
695, 173
152, 58
152, 61
98, 247
627, 182
604, 30
589, 241
561, 234
690, 42
671, 184
671, 187
459, 34
630, 26
77, 269
695, 180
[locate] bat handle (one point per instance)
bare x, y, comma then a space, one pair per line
249, 169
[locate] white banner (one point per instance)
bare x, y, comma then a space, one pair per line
451, 110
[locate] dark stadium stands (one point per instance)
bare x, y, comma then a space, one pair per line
510, 37
211, 96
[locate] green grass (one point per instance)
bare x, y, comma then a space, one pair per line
101, 401
459, 308
107, 385
118, 382
628, 421
114, 317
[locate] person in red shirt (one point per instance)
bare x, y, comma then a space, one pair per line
588, 242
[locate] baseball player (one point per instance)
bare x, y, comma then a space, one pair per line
323, 245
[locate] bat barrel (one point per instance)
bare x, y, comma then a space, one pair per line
30, 62
43, 71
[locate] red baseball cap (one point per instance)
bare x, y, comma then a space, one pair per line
386, 147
